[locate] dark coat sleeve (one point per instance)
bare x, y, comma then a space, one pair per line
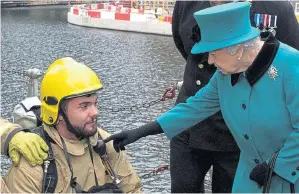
177, 11
288, 24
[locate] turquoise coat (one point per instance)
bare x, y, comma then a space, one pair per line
261, 109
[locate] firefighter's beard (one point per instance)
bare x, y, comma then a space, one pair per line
87, 130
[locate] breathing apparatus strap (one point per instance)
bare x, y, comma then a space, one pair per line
91, 157
50, 177
73, 182
100, 149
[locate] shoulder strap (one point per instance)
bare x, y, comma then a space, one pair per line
36, 110
100, 149
49, 166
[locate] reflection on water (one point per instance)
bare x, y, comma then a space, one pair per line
134, 68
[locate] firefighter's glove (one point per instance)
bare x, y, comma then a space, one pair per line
120, 140
30, 145
106, 188
258, 173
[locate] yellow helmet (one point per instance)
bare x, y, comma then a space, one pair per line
65, 78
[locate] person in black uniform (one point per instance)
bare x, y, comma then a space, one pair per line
193, 152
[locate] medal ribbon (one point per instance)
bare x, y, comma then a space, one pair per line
257, 20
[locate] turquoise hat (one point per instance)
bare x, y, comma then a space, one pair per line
223, 26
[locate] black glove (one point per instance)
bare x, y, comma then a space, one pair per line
258, 173
106, 188
120, 140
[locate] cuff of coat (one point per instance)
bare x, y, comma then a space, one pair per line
286, 170
10, 136
167, 127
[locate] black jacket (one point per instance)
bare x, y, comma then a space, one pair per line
213, 133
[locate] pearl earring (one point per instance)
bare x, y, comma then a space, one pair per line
239, 58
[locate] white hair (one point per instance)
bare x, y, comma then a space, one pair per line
232, 50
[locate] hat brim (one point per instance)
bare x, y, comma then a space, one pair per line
203, 47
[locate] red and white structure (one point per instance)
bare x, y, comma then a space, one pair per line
118, 17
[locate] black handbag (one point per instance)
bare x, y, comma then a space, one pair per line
269, 175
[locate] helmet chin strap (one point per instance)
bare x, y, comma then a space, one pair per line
70, 127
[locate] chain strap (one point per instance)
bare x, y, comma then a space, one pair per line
18, 72
156, 171
168, 94
162, 168
22, 73
132, 108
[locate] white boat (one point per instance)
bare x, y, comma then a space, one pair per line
117, 17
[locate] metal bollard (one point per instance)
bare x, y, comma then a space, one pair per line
179, 85
33, 75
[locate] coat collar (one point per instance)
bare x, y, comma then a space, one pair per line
261, 63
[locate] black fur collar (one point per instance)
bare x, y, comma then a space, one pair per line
262, 62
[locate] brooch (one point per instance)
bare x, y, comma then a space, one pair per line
273, 72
